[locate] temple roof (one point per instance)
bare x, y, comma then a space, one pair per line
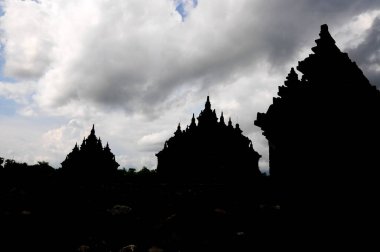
210, 145
90, 155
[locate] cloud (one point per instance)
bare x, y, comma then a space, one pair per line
153, 141
137, 68
133, 55
22, 139
18, 92
59, 139
367, 53
27, 39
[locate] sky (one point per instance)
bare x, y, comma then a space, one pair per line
137, 68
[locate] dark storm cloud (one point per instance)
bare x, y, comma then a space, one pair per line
287, 26
134, 57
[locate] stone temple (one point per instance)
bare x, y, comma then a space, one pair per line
90, 158
210, 150
323, 132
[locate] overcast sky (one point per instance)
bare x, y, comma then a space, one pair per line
137, 68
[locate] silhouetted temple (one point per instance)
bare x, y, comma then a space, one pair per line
90, 157
209, 150
323, 130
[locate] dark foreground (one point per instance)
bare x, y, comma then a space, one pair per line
46, 210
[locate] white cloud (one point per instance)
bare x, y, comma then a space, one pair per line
26, 30
152, 140
19, 92
59, 139
353, 33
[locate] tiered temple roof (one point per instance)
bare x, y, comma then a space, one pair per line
323, 129
208, 150
91, 156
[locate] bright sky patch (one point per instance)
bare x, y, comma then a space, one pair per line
184, 7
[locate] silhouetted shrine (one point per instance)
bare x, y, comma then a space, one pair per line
323, 131
209, 150
90, 157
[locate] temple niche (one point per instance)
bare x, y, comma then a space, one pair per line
211, 150
323, 129
91, 157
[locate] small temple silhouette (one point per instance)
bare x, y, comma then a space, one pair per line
208, 151
90, 157
323, 133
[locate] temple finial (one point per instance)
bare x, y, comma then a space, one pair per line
324, 28
208, 104
221, 120
325, 41
192, 124
76, 148
107, 148
178, 131
325, 34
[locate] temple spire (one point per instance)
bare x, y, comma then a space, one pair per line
76, 148
221, 121
237, 128
325, 34
83, 145
208, 104
178, 131
100, 146
325, 41
192, 124
207, 116
230, 123
93, 130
